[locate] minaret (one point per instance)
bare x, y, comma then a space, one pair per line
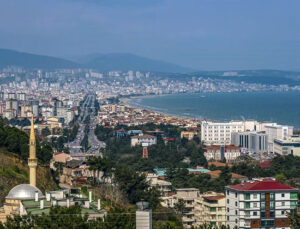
32, 161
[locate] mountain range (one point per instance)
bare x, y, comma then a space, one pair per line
102, 62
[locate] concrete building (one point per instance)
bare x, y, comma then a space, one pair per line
275, 131
251, 141
163, 186
213, 133
210, 209
289, 145
143, 139
260, 203
188, 134
221, 152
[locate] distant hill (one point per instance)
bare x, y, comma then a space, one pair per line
268, 77
127, 61
31, 61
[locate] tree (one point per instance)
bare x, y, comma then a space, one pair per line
295, 220
46, 132
180, 207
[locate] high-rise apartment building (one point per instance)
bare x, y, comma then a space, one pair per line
260, 203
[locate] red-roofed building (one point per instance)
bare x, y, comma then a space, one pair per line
260, 203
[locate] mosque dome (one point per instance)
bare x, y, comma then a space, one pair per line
24, 192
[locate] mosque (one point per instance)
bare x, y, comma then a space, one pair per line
27, 198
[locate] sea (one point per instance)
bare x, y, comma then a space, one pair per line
280, 107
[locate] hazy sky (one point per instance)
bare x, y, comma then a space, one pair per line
202, 34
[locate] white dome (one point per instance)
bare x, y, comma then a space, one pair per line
24, 192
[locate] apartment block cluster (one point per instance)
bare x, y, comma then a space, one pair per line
53, 111
257, 203
253, 137
113, 115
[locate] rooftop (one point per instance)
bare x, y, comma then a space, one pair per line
263, 185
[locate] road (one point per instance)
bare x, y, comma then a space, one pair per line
87, 109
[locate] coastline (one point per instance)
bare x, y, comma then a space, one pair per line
127, 101
266, 111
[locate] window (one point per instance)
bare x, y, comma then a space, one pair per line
235, 195
263, 196
254, 196
293, 195
236, 212
254, 222
282, 195
255, 205
227, 209
272, 196
236, 221
247, 205
267, 223
227, 201
293, 204
255, 213
235, 203
227, 218
213, 209
263, 214
282, 213
272, 214
272, 205
263, 206
282, 203
247, 196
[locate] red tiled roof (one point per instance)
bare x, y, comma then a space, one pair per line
218, 197
219, 164
265, 164
266, 184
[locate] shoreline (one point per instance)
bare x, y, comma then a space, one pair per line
128, 101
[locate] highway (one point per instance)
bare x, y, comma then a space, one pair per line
87, 109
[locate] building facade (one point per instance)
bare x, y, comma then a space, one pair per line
260, 203
220, 152
251, 141
290, 145
213, 133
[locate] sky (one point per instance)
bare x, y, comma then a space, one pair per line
200, 34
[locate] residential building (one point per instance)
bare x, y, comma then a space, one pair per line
210, 209
251, 141
188, 134
221, 152
144, 139
163, 186
290, 145
261, 203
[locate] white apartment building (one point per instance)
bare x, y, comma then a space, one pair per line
143, 139
275, 131
216, 133
260, 203
290, 145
